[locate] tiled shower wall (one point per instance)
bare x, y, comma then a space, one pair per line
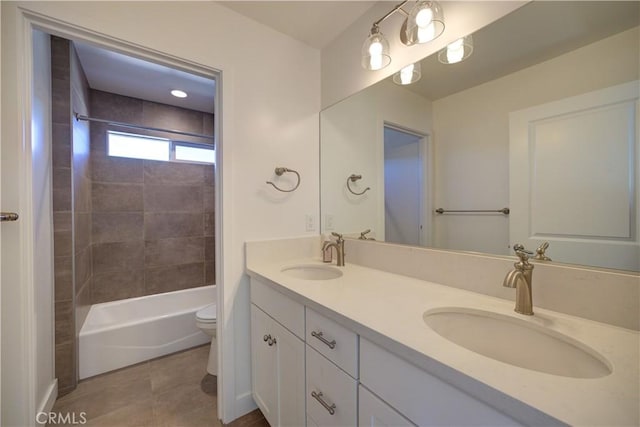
71, 207
153, 222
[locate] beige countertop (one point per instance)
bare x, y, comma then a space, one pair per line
388, 309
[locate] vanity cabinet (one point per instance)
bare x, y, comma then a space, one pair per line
277, 356
310, 370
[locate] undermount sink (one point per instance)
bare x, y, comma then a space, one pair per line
517, 342
312, 272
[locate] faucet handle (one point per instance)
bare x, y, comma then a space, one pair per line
522, 253
540, 255
338, 236
363, 235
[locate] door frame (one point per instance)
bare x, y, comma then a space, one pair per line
426, 155
17, 304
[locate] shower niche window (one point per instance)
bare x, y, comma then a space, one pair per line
134, 146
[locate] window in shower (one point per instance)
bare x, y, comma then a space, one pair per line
135, 146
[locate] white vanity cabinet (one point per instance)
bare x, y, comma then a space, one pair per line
277, 356
373, 412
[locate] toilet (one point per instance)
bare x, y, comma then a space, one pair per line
206, 319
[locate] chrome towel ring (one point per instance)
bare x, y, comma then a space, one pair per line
354, 178
280, 171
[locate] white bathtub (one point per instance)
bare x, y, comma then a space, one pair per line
121, 333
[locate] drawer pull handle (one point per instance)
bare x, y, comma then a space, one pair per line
318, 396
330, 344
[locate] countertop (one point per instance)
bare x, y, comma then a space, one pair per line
388, 309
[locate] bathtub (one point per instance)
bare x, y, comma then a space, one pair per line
121, 333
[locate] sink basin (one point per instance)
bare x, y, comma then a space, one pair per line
312, 272
517, 342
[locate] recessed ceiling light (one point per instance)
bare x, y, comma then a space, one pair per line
179, 93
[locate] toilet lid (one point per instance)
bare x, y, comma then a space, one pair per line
207, 313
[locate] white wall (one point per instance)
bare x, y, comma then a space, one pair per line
342, 73
353, 143
269, 118
472, 160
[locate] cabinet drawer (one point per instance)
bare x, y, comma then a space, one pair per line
421, 397
334, 341
331, 393
286, 311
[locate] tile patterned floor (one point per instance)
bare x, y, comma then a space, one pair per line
172, 391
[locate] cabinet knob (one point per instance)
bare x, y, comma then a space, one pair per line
266, 338
272, 341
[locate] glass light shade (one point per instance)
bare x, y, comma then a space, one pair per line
457, 51
425, 22
375, 51
409, 74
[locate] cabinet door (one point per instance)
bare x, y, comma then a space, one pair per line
373, 412
264, 365
291, 380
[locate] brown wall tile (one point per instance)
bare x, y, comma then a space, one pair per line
63, 284
165, 225
172, 198
173, 251
62, 243
209, 224
116, 169
82, 235
209, 273
83, 268
173, 277
117, 227
114, 107
173, 173
65, 367
61, 145
60, 101
62, 221
117, 197
209, 198
64, 322
83, 304
118, 256
170, 117
209, 249
209, 175
117, 285
207, 124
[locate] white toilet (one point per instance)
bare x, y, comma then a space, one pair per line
206, 319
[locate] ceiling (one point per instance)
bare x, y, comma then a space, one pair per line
315, 23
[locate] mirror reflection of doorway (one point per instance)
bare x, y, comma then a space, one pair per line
403, 186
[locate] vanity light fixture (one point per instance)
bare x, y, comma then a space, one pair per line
179, 93
457, 51
375, 50
409, 74
424, 23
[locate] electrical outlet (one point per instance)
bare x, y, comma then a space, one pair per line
310, 222
328, 222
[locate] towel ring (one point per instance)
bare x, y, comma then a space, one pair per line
280, 171
354, 178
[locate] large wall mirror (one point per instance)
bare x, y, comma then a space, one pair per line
542, 119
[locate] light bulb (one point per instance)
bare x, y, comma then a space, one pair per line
406, 74
427, 33
179, 93
455, 51
424, 17
375, 50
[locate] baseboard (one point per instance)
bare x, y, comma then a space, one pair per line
48, 400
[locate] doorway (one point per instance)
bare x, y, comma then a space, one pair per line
404, 186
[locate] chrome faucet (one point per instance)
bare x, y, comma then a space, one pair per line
520, 278
338, 245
